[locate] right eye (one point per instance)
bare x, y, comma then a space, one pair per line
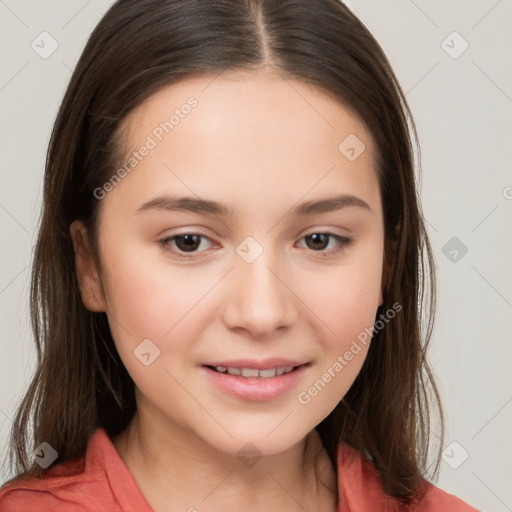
184, 245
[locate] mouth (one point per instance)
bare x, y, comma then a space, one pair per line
267, 373
256, 381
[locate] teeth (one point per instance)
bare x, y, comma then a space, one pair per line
271, 372
250, 372
254, 372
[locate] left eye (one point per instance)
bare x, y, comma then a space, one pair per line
320, 239
185, 245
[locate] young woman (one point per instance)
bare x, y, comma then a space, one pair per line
233, 288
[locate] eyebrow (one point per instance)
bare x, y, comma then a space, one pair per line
204, 206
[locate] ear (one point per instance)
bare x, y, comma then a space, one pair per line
87, 274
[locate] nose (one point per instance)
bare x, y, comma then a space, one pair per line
260, 298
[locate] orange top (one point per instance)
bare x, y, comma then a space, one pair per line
100, 481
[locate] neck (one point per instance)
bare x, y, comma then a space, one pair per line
162, 458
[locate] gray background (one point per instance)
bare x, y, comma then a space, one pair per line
462, 105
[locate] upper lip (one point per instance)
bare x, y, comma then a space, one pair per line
263, 364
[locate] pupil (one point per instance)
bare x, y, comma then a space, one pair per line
317, 239
191, 242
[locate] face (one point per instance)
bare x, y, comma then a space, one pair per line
237, 311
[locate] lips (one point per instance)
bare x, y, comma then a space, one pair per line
255, 380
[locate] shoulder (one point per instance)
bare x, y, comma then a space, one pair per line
98, 480
360, 488
44, 493
437, 499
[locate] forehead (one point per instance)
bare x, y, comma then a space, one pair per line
255, 134
248, 99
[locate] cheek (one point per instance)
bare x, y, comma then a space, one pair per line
346, 299
151, 299
348, 314
345, 302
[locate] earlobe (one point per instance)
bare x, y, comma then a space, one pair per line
87, 274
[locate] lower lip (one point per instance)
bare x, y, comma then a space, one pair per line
255, 388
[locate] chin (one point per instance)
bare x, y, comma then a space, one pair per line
261, 438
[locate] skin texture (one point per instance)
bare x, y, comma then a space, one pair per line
260, 144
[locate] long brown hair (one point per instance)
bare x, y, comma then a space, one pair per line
139, 47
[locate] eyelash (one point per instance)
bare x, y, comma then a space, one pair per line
342, 241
